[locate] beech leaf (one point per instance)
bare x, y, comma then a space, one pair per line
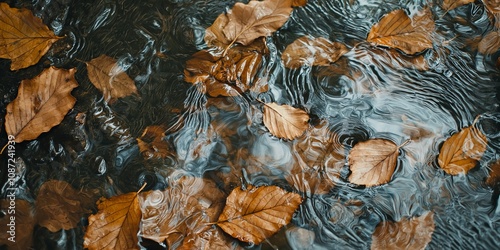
398, 30
461, 151
110, 78
452, 4
373, 162
151, 143
246, 22
41, 103
311, 51
490, 43
24, 223
414, 233
254, 214
23, 37
284, 121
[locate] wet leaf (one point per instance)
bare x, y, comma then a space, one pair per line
414, 233
58, 206
490, 43
493, 7
452, 4
461, 151
494, 176
311, 51
398, 30
24, 220
284, 121
116, 224
373, 162
299, 3
152, 143
246, 22
256, 213
23, 37
41, 103
110, 78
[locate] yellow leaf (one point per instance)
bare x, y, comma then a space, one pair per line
256, 213
41, 103
311, 51
22, 225
452, 4
397, 30
490, 43
285, 121
23, 37
461, 151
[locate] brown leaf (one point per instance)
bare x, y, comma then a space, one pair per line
151, 143
414, 233
110, 78
284, 121
246, 22
493, 7
254, 214
490, 43
23, 37
299, 3
41, 103
22, 213
373, 162
58, 206
311, 51
452, 4
494, 177
461, 151
116, 224
397, 30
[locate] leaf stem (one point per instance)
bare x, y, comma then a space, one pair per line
143, 186
4, 147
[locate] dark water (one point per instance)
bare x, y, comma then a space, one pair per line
365, 95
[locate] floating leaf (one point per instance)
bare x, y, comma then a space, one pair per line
490, 43
254, 214
299, 3
41, 103
311, 51
23, 37
285, 121
397, 30
461, 151
373, 162
414, 233
116, 224
494, 177
452, 4
24, 222
110, 78
152, 143
246, 22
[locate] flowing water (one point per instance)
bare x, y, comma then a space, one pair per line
367, 94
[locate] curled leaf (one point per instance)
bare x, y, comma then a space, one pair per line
41, 103
452, 4
490, 43
23, 37
256, 213
285, 121
311, 51
398, 30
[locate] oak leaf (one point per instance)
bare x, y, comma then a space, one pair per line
24, 220
284, 121
152, 144
452, 4
246, 22
398, 30
110, 78
461, 151
311, 51
41, 103
414, 233
23, 37
254, 214
490, 43
373, 162
494, 176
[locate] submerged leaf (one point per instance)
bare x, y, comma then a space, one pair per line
452, 4
254, 214
490, 43
493, 7
151, 143
23, 37
311, 51
41, 103
414, 233
398, 30
20, 230
299, 3
461, 151
284, 121
494, 176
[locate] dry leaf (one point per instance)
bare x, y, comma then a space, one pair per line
116, 224
397, 30
373, 162
311, 51
151, 143
254, 214
110, 78
414, 233
299, 3
284, 121
58, 206
452, 4
23, 37
41, 103
246, 22
490, 43
494, 177
461, 151
24, 220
